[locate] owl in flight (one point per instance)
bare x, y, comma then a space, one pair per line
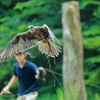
36, 35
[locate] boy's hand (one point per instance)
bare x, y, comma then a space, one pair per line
5, 90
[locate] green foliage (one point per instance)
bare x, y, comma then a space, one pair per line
97, 96
91, 31
21, 14
47, 96
16, 15
56, 96
60, 95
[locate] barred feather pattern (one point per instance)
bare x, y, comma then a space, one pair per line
35, 35
51, 49
11, 50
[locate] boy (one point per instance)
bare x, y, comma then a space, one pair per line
25, 72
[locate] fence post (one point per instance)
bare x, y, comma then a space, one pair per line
73, 78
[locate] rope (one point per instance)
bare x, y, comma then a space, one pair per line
52, 72
30, 88
59, 74
15, 95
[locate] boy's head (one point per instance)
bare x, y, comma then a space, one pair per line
20, 57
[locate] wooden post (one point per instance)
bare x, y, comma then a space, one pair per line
74, 87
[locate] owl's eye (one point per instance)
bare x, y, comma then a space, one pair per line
31, 27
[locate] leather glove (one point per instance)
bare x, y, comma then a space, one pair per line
41, 75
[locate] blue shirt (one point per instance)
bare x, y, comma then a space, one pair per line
26, 76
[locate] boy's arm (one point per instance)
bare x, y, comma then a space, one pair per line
11, 82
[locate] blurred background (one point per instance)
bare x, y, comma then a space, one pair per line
16, 15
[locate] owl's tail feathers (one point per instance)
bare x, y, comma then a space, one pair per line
49, 48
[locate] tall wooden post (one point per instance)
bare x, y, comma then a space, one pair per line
74, 87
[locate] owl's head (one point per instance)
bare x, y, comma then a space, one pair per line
31, 28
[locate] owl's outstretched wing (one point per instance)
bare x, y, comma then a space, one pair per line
20, 42
52, 36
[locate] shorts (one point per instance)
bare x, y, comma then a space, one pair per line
29, 96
